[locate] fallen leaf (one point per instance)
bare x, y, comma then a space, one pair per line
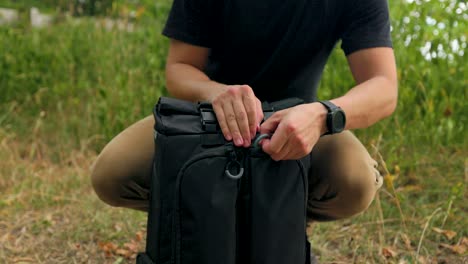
132, 246
449, 234
108, 247
459, 249
139, 236
124, 252
389, 252
464, 241
108, 254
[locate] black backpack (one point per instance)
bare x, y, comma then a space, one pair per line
214, 203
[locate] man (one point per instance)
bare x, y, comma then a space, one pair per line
237, 53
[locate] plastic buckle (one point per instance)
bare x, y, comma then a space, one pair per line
208, 120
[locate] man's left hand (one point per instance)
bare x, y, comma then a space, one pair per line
294, 131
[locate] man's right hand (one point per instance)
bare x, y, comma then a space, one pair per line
238, 110
239, 113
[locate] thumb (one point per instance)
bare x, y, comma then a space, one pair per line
270, 125
266, 145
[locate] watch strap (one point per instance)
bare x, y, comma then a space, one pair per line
329, 105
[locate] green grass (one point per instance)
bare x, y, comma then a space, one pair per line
96, 81
67, 90
25, 4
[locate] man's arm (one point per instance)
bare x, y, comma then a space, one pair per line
375, 95
185, 78
296, 130
237, 109
193, 27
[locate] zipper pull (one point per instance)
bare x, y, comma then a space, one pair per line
234, 169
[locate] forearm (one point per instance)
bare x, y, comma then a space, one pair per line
189, 83
369, 102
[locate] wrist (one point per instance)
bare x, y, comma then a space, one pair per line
320, 113
214, 91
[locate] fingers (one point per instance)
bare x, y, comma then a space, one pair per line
232, 124
271, 124
250, 105
242, 121
292, 148
291, 139
237, 111
269, 127
219, 112
277, 146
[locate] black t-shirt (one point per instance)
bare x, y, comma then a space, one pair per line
278, 47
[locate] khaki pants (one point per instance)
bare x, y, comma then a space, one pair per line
343, 178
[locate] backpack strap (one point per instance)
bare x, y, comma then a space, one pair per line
210, 123
208, 117
270, 108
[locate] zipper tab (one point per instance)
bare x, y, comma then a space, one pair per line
234, 168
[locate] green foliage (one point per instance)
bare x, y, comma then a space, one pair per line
149, 8
94, 80
26, 4
76, 7
113, 77
430, 46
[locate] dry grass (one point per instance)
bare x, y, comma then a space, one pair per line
49, 214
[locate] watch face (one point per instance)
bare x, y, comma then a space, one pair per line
339, 121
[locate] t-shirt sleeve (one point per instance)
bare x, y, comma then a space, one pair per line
192, 21
365, 24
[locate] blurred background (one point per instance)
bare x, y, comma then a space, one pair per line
74, 73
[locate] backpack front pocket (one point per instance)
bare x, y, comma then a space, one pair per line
278, 208
206, 210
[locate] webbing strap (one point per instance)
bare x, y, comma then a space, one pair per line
210, 123
208, 117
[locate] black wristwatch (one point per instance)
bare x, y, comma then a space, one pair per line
336, 118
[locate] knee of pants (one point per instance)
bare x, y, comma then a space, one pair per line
105, 186
357, 191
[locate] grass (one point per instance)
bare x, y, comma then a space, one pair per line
26, 4
68, 89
